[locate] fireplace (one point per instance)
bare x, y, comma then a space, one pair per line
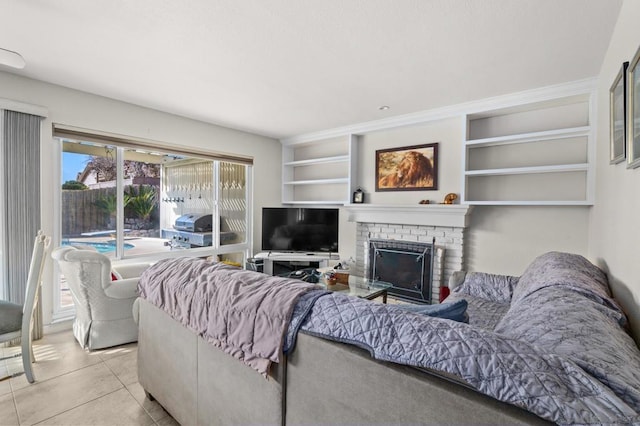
405, 264
415, 224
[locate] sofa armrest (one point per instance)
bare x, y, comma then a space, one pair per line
122, 289
456, 279
496, 288
130, 270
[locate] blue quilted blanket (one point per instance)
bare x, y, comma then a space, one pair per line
559, 351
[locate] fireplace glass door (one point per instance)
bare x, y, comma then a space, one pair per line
407, 265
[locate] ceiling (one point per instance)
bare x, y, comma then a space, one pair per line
287, 67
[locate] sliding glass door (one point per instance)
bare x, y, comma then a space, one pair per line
129, 202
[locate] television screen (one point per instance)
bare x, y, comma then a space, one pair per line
300, 229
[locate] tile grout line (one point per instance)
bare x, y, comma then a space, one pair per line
155, 422
15, 406
127, 389
11, 391
47, 380
103, 359
56, 377
114, 373
77, 406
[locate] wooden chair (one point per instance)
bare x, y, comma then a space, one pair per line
17, 321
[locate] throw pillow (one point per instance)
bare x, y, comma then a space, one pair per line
455, 311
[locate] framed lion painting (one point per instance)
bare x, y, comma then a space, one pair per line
409, 168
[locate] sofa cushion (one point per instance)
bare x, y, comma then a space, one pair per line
482, 313
563, 306
10, 317
567, 270
508, 369
566, 323
491, 287
455, 311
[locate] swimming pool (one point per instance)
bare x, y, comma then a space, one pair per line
103, 247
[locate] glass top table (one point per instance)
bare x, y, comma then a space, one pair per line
364, 288
361, 287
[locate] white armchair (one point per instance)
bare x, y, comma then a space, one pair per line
104, 315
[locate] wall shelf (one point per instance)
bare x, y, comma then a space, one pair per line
317, 181
536, 154
529, 170
454, 215
531, 137
530, 202
322, 160
329, 166
315, 203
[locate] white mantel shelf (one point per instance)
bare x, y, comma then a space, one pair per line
454, 215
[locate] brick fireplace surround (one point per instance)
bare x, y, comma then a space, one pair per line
447, 223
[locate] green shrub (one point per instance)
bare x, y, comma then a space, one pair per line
142, 201
109, 203
74, 185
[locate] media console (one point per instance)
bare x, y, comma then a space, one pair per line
276, 263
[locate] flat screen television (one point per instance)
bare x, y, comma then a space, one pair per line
296, 229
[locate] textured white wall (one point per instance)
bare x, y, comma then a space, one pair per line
615, 233
448, 133
93, 112
505, 239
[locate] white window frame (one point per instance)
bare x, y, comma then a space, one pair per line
246, 248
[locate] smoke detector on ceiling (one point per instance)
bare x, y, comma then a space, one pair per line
11, 59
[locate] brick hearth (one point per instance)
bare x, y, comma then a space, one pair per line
446, 224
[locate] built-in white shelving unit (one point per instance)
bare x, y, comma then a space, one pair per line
319, 172
528, 148
530, 154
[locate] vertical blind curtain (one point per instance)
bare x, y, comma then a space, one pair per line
20, 203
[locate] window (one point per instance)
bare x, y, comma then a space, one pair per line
131, 202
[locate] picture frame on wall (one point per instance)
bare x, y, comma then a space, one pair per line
633, 112
618, 116
409, 168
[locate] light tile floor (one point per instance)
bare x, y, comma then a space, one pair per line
76, 387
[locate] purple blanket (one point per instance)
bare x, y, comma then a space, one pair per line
243, 313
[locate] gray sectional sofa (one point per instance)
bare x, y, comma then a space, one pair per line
555, 315
321, 382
